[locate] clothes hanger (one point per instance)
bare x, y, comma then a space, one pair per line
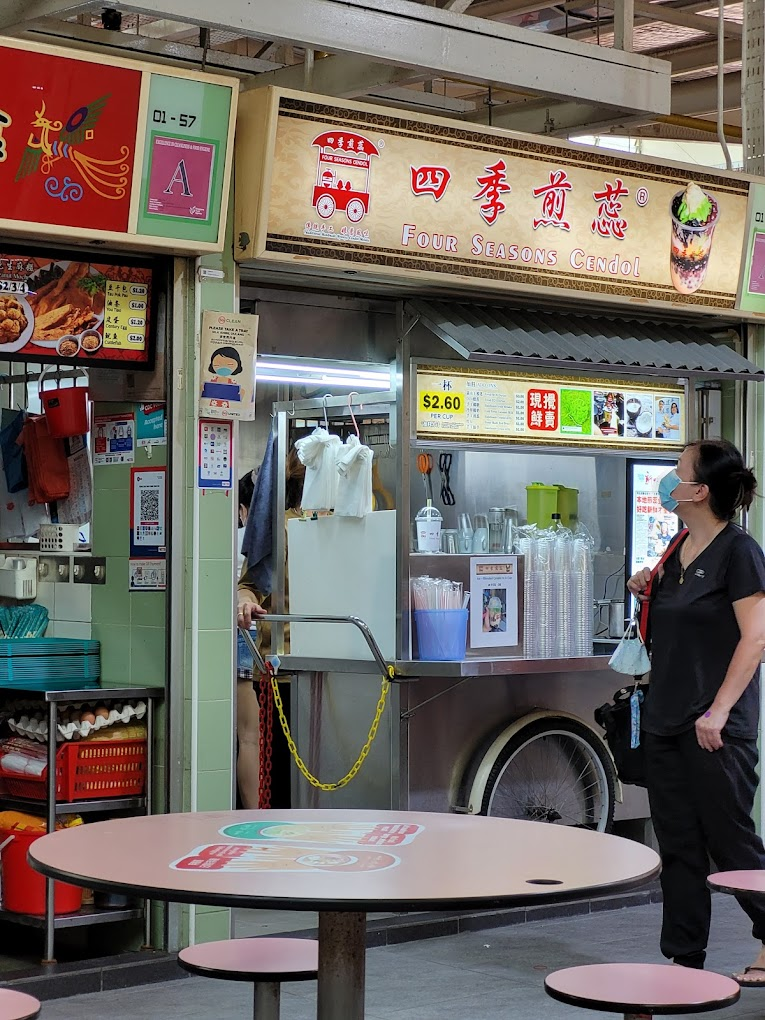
324, 400
350, 408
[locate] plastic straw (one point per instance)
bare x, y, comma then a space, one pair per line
434, 593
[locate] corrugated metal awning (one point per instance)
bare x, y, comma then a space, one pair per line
493, 334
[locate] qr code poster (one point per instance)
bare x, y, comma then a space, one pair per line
147, 513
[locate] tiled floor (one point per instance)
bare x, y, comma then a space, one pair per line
484, 976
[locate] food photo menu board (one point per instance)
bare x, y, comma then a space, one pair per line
66, 308
490, 406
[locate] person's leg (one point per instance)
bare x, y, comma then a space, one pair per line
248, 732
687, 903
725, 796
247, 728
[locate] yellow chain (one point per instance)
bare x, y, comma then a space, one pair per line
329, 787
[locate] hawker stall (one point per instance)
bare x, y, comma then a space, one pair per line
530, 413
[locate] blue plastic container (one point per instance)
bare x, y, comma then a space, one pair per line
441, 634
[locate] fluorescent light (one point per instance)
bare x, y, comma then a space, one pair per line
353, 382
351, 374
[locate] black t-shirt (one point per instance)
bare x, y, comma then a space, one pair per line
694, 634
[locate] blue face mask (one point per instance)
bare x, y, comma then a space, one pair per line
667, 486
223, 370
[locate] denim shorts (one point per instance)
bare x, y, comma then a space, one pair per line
244, 660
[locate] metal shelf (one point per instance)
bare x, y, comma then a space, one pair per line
83, 918
77, 807
89, 694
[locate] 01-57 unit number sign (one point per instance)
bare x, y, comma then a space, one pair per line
503, 407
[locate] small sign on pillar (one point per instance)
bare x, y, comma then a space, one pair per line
228, 351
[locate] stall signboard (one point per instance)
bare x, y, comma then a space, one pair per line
65, 309
503, 407
113, 150
356, 189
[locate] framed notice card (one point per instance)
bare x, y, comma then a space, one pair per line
493, 601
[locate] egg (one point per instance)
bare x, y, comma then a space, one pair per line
102, 712
88, 717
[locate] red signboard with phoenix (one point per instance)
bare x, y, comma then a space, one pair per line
67, 140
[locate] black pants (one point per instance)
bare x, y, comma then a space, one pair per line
701, 806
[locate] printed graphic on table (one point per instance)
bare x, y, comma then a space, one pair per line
348, 185
61, 310
354, 834
243, 858
502, 407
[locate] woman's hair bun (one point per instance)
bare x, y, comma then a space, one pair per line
748, 483
720, 466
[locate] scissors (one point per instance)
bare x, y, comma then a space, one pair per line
445, 466
425, 465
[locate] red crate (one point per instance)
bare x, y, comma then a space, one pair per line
88, 770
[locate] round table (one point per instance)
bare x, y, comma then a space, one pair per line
342, 864
737, 882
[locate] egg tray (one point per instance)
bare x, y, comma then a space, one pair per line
30, 722
87, 771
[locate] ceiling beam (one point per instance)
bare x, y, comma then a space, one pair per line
434, 41
671, 16
342, 76
457, 6
700, 56
97, 40
516, 8
624, 24
689, 99
697, 98
432, 101
14, 13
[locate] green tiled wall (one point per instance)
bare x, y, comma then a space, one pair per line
129, 625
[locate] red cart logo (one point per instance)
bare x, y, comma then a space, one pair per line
342, 175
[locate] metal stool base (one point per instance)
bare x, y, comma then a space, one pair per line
267, 1000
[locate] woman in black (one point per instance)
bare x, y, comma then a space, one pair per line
701, 720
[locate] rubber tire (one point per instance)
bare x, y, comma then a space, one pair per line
547, 725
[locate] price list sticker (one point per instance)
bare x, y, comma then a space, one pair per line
125, 313
503, 406
453, 402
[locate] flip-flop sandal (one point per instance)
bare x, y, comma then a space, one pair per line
753, 983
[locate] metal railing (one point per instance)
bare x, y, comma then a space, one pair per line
366, 633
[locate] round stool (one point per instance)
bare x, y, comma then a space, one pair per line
636, 989
266, 962
640, 989
17, 1005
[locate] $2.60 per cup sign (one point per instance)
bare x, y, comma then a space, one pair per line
499, 407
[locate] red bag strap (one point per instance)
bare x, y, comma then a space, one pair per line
644, 606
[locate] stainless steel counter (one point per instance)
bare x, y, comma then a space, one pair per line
473, 667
